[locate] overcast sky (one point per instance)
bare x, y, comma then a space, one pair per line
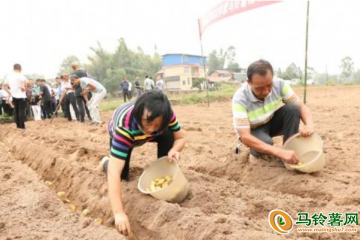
40, 34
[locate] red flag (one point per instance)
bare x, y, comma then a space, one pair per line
227, 9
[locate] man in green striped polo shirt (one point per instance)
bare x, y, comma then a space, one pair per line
267, 107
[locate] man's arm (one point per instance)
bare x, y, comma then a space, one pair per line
89, 88
6, 88
306, 118
252, 142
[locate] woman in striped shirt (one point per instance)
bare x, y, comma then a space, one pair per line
149, 119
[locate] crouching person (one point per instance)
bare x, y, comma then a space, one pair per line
98, 91
149, 119
259, 115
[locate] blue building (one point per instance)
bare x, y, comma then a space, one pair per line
179, 69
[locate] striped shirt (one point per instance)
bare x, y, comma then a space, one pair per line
250, 112
125, 133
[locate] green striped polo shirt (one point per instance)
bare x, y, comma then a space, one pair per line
250, 112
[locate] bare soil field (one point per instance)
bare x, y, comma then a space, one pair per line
229, 197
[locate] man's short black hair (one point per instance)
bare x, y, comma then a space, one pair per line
260, 67
74, 76
17, 66
157, 103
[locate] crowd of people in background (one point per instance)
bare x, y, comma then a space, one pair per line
126, 86
76, 94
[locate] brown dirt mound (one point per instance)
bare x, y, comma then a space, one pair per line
229, 198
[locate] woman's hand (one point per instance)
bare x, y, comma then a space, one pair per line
174, 155
122, 223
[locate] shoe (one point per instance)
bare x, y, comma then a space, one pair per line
100, 167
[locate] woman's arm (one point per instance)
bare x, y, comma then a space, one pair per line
179, 143
115, 169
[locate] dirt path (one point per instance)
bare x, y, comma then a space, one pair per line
229, 198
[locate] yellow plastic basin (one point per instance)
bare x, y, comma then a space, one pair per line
309, 151
178, 188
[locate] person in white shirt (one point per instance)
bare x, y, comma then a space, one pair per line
98, 91
15, 85
148, 84
129, 89
5, 103
70, 99
160, 84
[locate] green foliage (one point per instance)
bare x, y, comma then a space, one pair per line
34, 76
112, 80
291, 72
218, 60
224, 93
6, 118
347, 67
66, 65
233, 65
356, 77
111, 104
196, 83
109, 68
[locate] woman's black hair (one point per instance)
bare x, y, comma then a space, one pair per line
157, 103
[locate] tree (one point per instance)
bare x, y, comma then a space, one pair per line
291, 72
112, 80
66, 64
233, 66
109, 68
214, 62
35, 76
347, 67
218, 60
99, 64
356, 77
196, 83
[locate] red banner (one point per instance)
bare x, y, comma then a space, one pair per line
227, 9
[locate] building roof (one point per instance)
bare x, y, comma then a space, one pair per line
220, 79
182, 54
221, 71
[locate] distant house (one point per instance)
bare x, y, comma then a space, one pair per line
178, 70
227, 76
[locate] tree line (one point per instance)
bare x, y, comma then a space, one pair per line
110, 67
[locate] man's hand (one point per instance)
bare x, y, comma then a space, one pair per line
307, 131
84, 93
122, 223
288, 156
174, 155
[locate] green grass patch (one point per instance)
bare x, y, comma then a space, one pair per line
6, 119
223, 93
111, 104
